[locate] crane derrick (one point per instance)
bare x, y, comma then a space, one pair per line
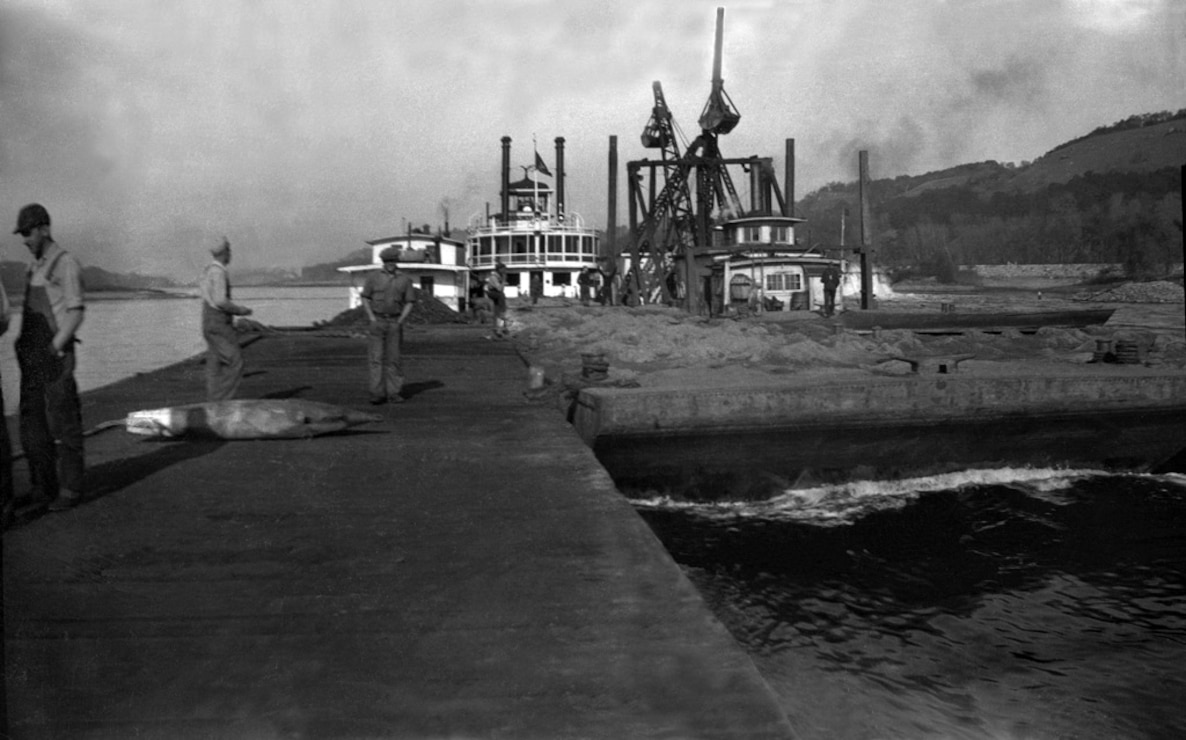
672, 223
667, 221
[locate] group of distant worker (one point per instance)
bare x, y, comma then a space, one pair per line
487, 297
388, 297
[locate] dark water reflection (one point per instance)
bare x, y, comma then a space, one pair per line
1028, 610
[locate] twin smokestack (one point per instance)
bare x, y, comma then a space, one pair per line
506, 177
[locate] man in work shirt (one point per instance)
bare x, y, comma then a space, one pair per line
388, 297
50, 413
7, 496
224, 358
831, 280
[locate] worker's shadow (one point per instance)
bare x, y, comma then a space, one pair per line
414, 389
113, 476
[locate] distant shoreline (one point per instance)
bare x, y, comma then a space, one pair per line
120, 294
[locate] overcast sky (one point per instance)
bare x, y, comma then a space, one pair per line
303, 128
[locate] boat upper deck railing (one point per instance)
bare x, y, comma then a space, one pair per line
543, 260
530, 224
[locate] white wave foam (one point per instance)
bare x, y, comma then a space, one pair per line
844, 503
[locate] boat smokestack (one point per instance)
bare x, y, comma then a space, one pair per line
611, 226
506, 179
788, 204
560, 177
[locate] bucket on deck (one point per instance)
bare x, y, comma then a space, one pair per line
594, 366
1128, 352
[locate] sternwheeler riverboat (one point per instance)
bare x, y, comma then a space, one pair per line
534, 234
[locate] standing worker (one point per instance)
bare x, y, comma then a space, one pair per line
224, 358
585, 283
7, 496
496, 285
831, 280
50, 412
388, 297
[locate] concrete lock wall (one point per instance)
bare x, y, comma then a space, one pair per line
603, 412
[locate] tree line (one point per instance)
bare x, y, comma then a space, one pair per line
1130, 218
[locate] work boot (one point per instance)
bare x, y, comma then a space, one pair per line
65, 501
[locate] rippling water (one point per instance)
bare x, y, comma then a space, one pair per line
987, 604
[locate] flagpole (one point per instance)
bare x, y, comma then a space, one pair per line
534, 179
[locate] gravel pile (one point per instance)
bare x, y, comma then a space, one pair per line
1158, 291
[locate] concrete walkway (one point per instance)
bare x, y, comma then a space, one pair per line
464, 569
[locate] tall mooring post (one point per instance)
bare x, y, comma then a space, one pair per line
866, 234
610, 248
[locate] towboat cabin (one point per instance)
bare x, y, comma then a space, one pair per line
435, 263
757, 265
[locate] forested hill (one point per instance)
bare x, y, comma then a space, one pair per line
12, 275
1114, 195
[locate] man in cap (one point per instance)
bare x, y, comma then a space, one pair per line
7, 496
388, 297
224, 358
496, 286
50, 412
831, 280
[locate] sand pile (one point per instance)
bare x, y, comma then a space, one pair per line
1157, 291
654, 345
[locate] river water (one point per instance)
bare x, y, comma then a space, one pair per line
989, 604
124, 336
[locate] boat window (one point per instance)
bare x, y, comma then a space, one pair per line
784, 281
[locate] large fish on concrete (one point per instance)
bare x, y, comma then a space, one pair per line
285, 418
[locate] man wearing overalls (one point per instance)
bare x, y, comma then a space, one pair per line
50, 413
388, 297
7, 496
224, 358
